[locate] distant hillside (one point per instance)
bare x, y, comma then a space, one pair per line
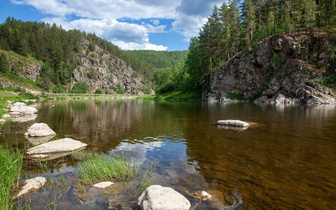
57, 59
160, 59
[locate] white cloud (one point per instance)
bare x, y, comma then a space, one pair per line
126, 35
100, 17
155, 22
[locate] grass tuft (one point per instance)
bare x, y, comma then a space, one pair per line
106, 167
10, 170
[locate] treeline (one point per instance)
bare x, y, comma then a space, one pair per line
232, 28
57, 49
160, 59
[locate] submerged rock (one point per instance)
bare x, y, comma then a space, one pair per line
62, 145
32, 185
20, 108
103, 185
205, 195
39, 130
234, 123
158, 197
25, 118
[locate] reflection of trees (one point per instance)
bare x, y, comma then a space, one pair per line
286, 161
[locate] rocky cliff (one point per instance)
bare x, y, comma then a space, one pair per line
279, 69
97, 68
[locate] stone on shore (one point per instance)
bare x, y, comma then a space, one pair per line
61, 145
32, 185
39, 130
234, 123
6, 116
2, 121
25, 118
156, 197
20, 108
103, 185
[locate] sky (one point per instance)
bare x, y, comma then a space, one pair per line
129, 24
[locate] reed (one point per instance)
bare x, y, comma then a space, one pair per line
106, 167
10, 170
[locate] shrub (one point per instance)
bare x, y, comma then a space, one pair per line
146, 89
99, 91
79, 87
121, 90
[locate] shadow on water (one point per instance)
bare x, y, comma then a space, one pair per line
285, 160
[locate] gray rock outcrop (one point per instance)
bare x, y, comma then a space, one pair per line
275, 71
157, 197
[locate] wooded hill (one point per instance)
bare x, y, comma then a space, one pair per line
58, 49
232, 28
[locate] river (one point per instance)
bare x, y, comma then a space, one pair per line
285, 160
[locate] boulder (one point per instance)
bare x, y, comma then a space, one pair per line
20, 108
31, 185
2, 121
6, 116
158, 197
39, 130
103, 185
58, 146
234, 123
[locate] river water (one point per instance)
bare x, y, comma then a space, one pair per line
285, 160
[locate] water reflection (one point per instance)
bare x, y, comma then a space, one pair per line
287, 160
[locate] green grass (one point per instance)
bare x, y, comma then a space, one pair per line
10, 170
105, 167
172, 96
234, 96
20, 81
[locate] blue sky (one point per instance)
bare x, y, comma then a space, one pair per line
130, 24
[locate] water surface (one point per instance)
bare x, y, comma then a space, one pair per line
286, 160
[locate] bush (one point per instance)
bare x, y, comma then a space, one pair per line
79, 87
121, 90
99, 91
146, 89
58, 89
28, 95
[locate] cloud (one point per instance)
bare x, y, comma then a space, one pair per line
108, 19
126, 35
155, 22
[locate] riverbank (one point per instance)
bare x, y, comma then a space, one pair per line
174, 96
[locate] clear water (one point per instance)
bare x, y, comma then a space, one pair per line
286, 160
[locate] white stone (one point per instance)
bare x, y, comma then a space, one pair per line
61, 145
235, 123
2, 121
6, 116
32, 185
25, 118
156, 197
103, 185
39, 130
205, 195
20, 108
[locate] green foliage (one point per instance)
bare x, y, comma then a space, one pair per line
4, 67
28, 95
120, 90
146, 89
234, 96
105, 167
10, 171
330, 81
276, 61
58, 88
99, 91
80, 87
21, 81
92, 55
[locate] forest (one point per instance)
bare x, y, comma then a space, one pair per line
236, 26
57, 49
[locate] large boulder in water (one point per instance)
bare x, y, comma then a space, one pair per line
58, 146
31, 185
233, 123
39, 129
156, 197
20, 108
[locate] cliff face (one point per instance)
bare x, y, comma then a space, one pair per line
97, 68
278, 67
102, 70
